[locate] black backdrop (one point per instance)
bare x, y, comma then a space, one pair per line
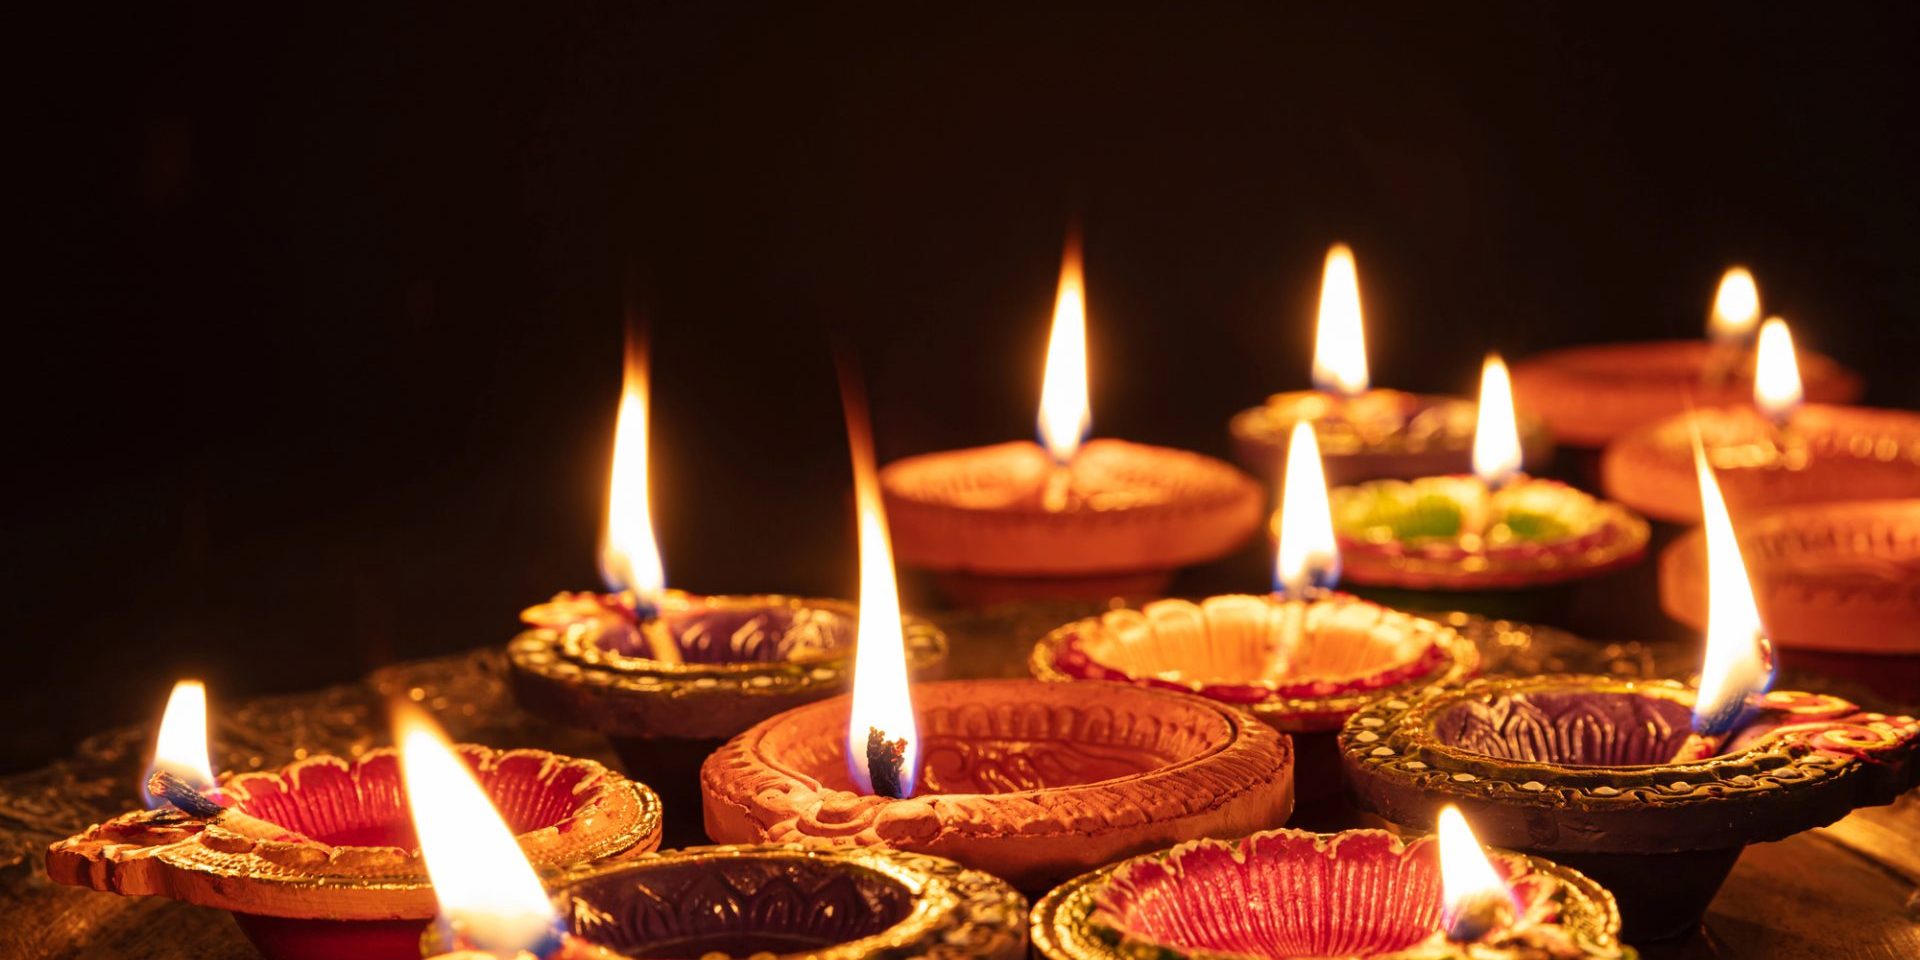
317, 354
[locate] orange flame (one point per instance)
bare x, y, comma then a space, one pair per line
1308, 555
1496, 434
629, 555
882, 700
1776, 372
1738, 661
1339, 341
1736, 306
490, 897
1467, 877
181, 747
1065, 411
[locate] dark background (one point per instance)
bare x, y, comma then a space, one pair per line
315, 346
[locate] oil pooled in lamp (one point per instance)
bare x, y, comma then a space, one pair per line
669, 675
1364, 432
1302, 658
318, 859
1494, 529
1590, 395
1033, 782
1067, 517
1773, 451
1651, 787
1359, 893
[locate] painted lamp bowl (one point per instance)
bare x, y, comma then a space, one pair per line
1289, 893
348, 880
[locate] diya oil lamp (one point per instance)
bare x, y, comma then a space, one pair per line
1302, 658
1590, 395
318, 859
697, 902
1066, 517
1772, 452
1358, 893
1364, 432
1836, 577
1033, 782
1494, 529
1650, 787
668, 675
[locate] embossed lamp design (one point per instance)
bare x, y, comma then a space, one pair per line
1364, 432
669, 675
1068, 517
1360, 893
1496, 529
1771, 452
318, 859
1590, 395
1033, 782
1302, 658
1651, 787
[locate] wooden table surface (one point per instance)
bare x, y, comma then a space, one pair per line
1846, 892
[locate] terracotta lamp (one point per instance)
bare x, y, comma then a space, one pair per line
319, 859
1364, 432
1493, 529
1651, 787
1302, 658
668, 676
1360, 893
1590, 395
1770, 452
1067, 517
1840, 577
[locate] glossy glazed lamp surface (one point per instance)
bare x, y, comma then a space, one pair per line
352, 880
1033, 782
1289, 893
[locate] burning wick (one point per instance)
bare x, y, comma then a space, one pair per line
184, 798
1306, 563
1730, 324
1065, 411
1476, 901
1497, 457
886, 761
629, 553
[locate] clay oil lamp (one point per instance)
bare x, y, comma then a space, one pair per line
1650, 787
1492, 530
1066, 517
1364, 432
1302, 658
1033, 782
1358, 893
1589, 395
668, 675
1837, 577
318, 859
1770, 452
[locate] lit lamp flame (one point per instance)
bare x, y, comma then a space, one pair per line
1308, 556
1065, 412
1496, 434
1339, 343
181, 748
1736, 307
629, 555
1476, 901
490, 898
1776, 373
1739, 660
882, 724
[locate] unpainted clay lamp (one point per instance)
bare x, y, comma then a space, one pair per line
1033, 782
1590, 395
1650, 787
1364, 432
1302, 658
1066, 517
1493, 529
668, 675
1359, 893
319, 859
1774, 451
